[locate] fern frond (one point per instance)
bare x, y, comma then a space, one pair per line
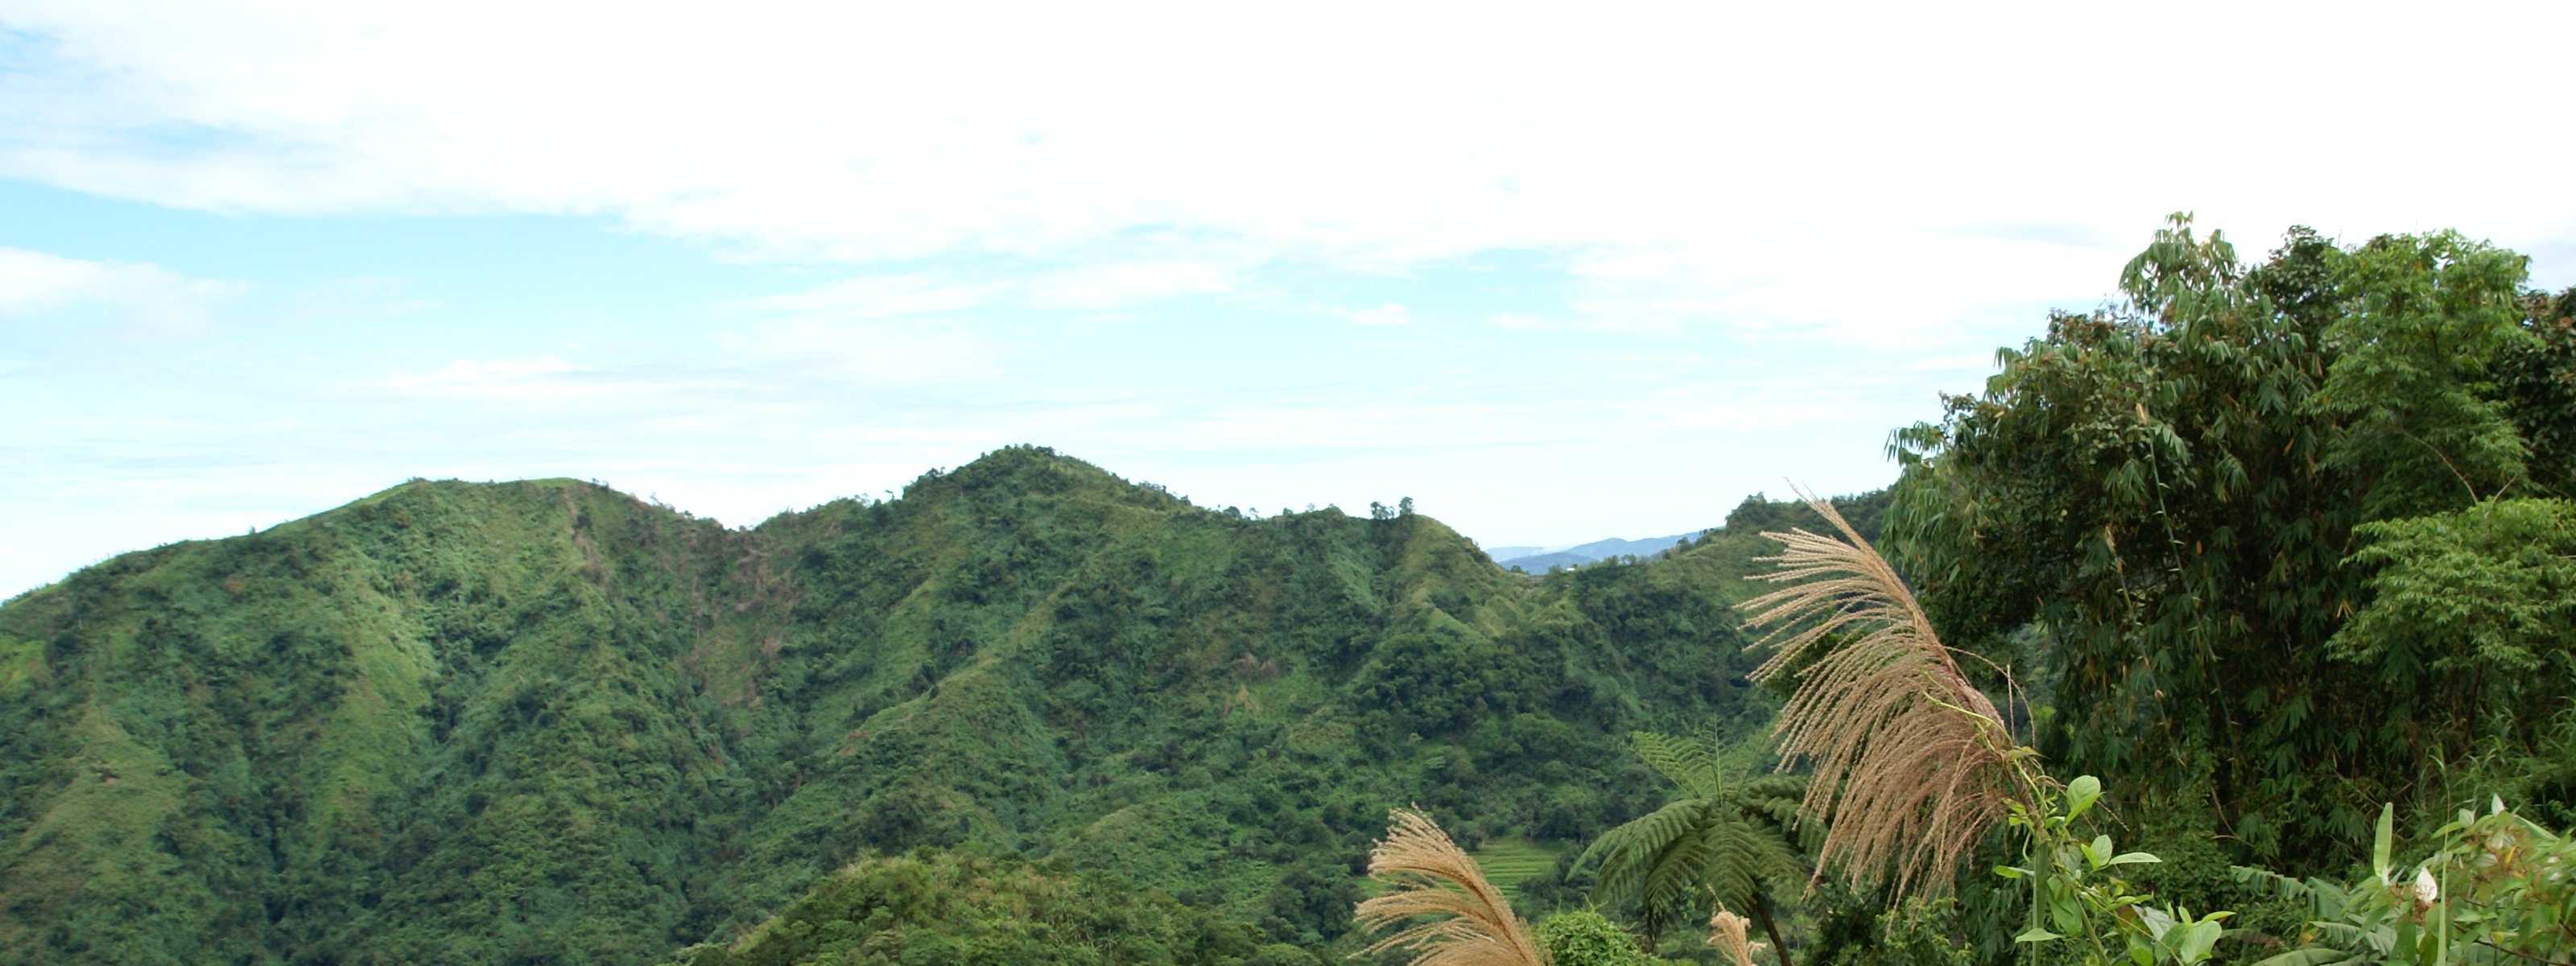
1628, 852
1429, 875
1674, 876
1737, 864
1689, 763
1779, 800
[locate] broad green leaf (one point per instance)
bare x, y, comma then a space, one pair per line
2035, 934
2081, 793
2134, 858
2156, 920
2011, 872
2197, 939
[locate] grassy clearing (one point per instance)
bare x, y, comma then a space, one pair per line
1505, 863
1508, 861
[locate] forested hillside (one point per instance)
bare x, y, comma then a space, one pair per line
2267, 571
547, 722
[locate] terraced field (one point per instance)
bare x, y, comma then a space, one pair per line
1508, 861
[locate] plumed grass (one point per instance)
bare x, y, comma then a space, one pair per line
1912, 762
1429, 875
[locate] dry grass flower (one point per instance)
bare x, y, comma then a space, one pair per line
1429, 875
1726, 932
1912, 762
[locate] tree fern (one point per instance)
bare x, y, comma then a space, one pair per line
1731, 841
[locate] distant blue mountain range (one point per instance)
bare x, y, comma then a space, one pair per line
1539, 560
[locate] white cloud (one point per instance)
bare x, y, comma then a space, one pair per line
1886, 191
369, 297
536, 379
1121, 284
882, 352
1390, 313
1107, 285
142, 294
1699, 162
883, 296
1598, 318
472, 372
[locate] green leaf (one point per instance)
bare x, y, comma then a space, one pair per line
2157, 921
2065, 912
2379, 840
2035, 934
2010, 872
2134, 858
2081, 794
2097, 853
2196, 941
2313, 956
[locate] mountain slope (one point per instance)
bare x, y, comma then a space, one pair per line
1539, 563
546, 722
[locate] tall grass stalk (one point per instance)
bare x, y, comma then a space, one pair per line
1912, 763
1429, 875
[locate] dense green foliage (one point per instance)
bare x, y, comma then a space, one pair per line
2269, 545
545, 722
1583, 937
2278, 545
1868, 930
2496, 889
2206, 523
939, 908
1723, 836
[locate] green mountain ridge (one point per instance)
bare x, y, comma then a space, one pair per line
547, 722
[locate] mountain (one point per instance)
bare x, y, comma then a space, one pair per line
1741, 535
543, 721
1539, 561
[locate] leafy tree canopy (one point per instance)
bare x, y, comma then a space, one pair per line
2205, 521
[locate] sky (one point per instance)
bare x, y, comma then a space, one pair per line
1556, 272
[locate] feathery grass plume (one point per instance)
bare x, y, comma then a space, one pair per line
1726, 932
1428, 874
1913, 764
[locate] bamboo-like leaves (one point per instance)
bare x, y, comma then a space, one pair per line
1429, 875
1912, 763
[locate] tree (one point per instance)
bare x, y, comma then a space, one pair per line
2168, 491
1582, 937
1725, 840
